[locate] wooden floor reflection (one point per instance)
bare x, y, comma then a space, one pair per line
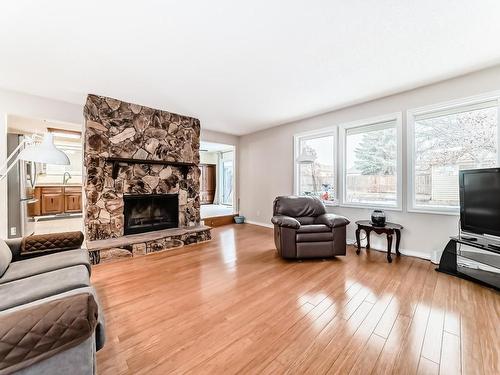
233, 306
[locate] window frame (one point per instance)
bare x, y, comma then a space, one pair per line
323, 132
343, 128
443, 108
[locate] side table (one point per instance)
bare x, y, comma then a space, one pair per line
389, 229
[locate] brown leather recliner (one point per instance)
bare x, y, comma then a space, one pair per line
303, 229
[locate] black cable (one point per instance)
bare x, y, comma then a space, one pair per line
355, 243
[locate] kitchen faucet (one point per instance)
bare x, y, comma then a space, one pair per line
65, 180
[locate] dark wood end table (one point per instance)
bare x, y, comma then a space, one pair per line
389, 229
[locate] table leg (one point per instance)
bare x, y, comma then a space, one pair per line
368, 238
398, 239
389, 246
358, 242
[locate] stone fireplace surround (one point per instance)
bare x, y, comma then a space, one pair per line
152, 152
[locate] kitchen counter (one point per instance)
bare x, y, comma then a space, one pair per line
58, 185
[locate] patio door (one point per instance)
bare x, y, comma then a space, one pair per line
227, 169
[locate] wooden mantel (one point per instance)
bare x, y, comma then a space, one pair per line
117, 161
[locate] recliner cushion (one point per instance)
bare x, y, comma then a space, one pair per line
315, 237
298, 206
5, 257
314, 228
314, 249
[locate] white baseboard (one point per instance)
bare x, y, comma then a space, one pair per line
410, 253
267, 225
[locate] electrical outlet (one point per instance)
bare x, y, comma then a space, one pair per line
13, 231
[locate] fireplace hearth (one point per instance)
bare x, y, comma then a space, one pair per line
150, 212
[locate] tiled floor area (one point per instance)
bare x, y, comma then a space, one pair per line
58, 225
212, 210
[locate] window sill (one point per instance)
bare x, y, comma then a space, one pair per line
330, 203
433, 212
371, 207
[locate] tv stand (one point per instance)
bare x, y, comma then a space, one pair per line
494, 247
477, 261
467, 238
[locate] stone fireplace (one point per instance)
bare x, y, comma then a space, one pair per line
141, 176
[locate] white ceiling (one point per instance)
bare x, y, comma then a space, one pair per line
242, 66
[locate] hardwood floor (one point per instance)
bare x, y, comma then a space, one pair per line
233, 306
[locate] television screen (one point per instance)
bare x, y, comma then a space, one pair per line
480, 201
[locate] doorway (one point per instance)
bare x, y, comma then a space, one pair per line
217, 181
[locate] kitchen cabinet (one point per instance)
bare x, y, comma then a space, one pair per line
53, 200
72, 200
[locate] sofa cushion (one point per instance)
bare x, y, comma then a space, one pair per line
47, 284
298, 206
5, 257
314, 228
46, 263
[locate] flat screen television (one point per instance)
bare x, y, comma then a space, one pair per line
480, 201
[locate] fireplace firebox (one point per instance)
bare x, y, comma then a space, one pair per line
149, 212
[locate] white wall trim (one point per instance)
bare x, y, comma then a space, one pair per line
259, 224
410, 253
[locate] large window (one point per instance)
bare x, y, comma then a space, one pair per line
371, 162
443, 140
315, 165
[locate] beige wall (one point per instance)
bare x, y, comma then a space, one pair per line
266, 161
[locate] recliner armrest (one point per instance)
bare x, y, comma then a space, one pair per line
285, 221
332, 220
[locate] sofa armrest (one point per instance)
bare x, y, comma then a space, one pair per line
42, 329
285, 221
15, 247
332, 220
41, 244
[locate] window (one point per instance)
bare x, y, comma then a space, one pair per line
371, 162
443, 140
72, 147
315, 161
